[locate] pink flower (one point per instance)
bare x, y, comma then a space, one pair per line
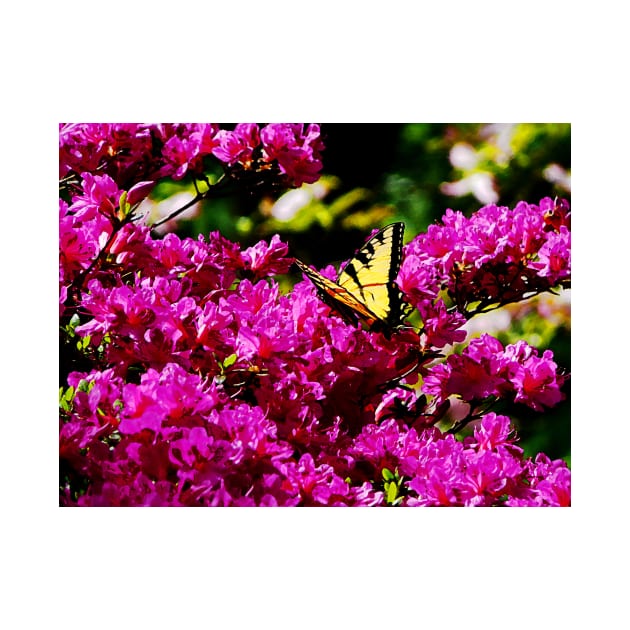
537, 382
555, 256
439, 327
316, 485
493, 431
237, 145
100, 195
296, 151
267, 259
179, 152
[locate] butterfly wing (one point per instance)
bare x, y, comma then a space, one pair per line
338, 298
366, 286
371, 276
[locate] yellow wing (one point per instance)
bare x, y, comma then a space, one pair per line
366, 286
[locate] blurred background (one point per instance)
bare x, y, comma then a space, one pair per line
375, 174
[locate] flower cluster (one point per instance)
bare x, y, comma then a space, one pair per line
206, 386
484, 469
486, 369
497, 256
143, 153
295, 150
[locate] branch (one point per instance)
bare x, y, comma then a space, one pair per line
476, 413
212, 192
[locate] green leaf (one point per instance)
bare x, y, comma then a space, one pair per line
75, 320
66, 397
391, 490
85, 385
388, 475
231, 360
124, 205
83, 342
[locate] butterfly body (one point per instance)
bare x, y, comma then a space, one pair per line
366, 287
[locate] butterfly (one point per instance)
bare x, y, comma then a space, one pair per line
366, 287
